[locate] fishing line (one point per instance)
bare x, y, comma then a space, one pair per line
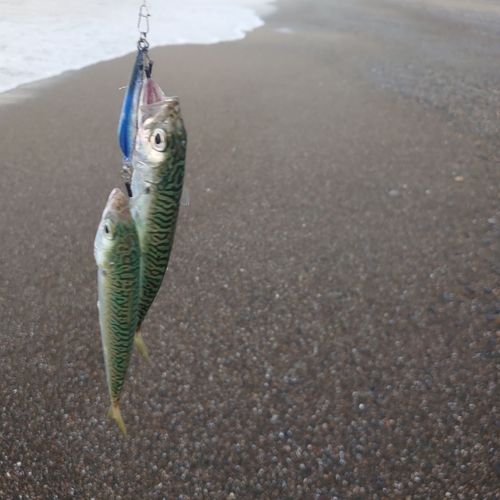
127, 175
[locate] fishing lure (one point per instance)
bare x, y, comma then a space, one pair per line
127, 124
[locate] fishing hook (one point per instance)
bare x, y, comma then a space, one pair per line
127, 174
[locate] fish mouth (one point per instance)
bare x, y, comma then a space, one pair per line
119, 204
151, 93
156, 107
115, 193
151, 98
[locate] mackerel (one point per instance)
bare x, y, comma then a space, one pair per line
117, 255
158, 173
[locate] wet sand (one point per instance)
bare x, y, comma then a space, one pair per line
328, 326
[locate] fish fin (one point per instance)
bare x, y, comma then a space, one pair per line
114, 412
185, 196
139, 342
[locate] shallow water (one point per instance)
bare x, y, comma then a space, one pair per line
41, 39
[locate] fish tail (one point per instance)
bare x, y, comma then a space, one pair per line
114, 412
139, 342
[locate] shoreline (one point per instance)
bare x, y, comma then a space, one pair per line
270, 12
434, 7
261, 12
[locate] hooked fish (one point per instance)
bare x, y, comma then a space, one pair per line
157, 185
127, 124
117, 255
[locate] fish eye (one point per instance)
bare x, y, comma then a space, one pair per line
158, 139
109, 230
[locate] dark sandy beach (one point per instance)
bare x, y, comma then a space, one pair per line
329, 323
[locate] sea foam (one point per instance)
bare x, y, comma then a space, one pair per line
43, 38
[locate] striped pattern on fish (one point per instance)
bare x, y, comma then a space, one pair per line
158, 236
157, 181
117, 254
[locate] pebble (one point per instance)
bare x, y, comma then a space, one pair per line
394, 192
